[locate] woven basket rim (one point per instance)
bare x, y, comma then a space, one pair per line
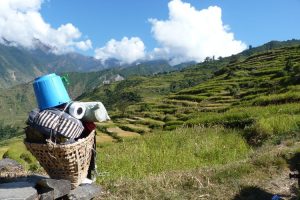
52, 144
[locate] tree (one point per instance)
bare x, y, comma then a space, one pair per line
8, 131
234, 59
289, 65
296, 69
207, 59
119, 97
125, 99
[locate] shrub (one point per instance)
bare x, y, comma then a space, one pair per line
155, 126
283, 98
223, 70
170, 123
8, 131
228, 119
34, 167
296, 69
169, 118
133, 129
275, 126
280, 74
288, 65
267, 161
170, 111
145, 107
170, 128
233, 90
154, 115
150, 122
6, 155
102, 129
26, 157
195, 98
257, 133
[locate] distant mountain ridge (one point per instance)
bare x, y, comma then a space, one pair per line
19, 65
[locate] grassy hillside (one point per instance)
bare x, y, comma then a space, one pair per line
201, 94
222, 129
254, 97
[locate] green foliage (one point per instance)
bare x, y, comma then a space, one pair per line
153, 124
137, 129
8, 131
223, 176
125, 99
296, 69
195, 98
26, 157
272, 127
280, 74
283, 98
234, 90
177, 122
120, 96
145, 107
16, 150
289, 65
179, 85
167, 151
34, 167
228, 119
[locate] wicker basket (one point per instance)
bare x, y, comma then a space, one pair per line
67, 161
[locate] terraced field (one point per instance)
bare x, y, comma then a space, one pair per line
261, 79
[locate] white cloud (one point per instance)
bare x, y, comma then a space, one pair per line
126, 51
84, 45
192, 35
22, 24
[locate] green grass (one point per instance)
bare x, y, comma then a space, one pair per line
194, 98
260, 168
149, 122
134, 128
288, 97
186, 148
227, 119
273, 128
16, 150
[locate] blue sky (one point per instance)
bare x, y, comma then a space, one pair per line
129, 30
255, 22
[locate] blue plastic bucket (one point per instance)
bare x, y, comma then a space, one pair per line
50, 91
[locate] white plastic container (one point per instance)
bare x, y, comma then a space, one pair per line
95, 112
